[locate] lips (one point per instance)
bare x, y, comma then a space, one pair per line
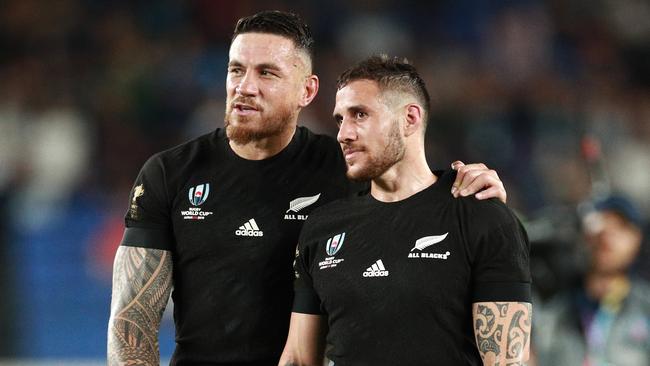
245, 107
350, 152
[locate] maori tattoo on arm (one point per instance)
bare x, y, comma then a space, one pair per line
502, 331
142, 282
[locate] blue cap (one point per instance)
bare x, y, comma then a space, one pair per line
622, 206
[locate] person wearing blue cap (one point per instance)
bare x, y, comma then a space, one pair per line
606, 319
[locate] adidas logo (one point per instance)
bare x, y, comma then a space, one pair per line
376, 270
250, 228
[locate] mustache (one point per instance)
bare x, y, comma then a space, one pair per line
247, 101
348, 146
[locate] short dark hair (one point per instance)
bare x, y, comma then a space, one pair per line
391, 74
280, 23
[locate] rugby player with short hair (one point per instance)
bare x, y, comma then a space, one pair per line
406, 274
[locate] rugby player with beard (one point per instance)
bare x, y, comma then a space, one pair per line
217, 218
406, 274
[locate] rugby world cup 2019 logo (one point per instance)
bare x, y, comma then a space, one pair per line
199, 194
334, 244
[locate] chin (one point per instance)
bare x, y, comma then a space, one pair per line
358, 175
241, 121
355, 177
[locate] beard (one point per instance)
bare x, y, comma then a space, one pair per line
246, 131
377, 165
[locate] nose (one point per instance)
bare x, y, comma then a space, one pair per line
346, 132
247, 85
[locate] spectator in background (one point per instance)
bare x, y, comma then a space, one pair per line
606, 319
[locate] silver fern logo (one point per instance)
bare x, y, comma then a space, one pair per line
302, 202
299, 204
428, 241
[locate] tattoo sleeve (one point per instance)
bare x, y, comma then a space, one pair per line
142, 282
502, 331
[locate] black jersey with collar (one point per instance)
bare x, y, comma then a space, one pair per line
232, 226
397, 280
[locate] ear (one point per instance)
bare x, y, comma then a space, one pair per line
414, 119
309, 91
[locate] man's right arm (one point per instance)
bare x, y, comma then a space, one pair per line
142, 282
305, 342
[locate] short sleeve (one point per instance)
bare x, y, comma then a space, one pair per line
306, 299
147, 220
501, 260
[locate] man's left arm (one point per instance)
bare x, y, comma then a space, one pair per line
501, 291
479, 180
502, 332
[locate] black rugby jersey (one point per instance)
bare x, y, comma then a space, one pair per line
397, 280
232, 226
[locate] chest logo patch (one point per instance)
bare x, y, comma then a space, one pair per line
199, 194
297, 205
334, 244
426, 242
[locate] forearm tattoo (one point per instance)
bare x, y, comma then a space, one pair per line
142, 282
502, 331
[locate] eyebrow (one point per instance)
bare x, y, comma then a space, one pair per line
265, 65
268, 65
352, 110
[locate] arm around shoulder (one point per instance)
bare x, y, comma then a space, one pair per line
142, 282
305, 343
502, 331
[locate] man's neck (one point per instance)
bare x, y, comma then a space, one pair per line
403, 180
263, 148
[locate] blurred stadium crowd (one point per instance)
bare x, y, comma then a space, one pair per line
554, 95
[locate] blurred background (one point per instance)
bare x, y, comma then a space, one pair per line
554, 95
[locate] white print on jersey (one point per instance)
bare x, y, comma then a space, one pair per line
197, 196
195, 213
428, 241
376, 270
250, 228
430, 255
299, 204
